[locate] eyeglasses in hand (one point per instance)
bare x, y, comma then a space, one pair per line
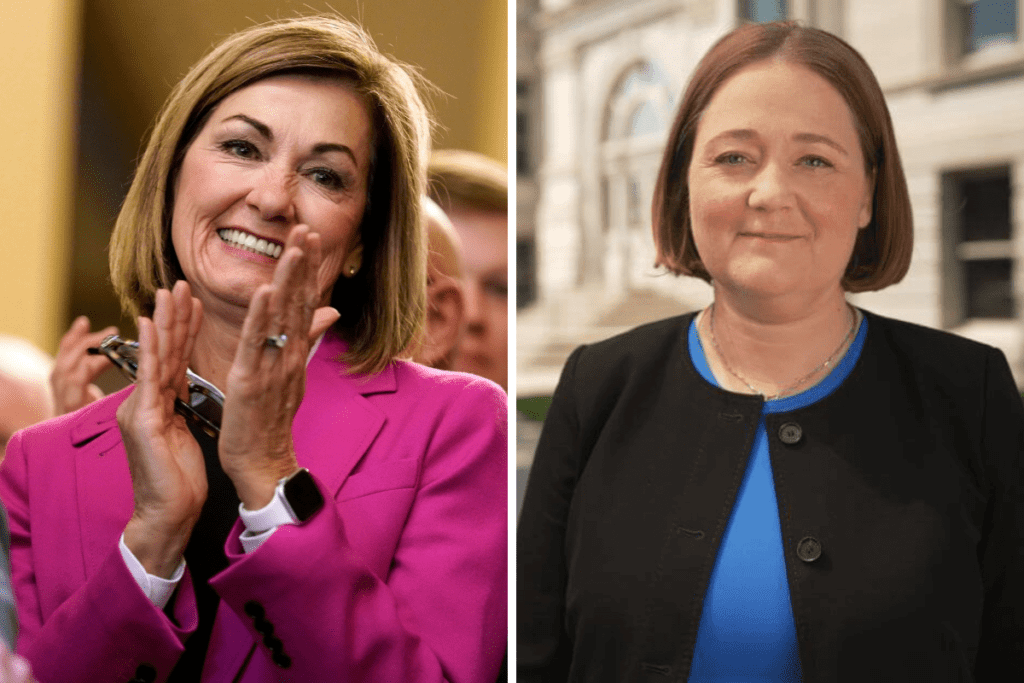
205, 405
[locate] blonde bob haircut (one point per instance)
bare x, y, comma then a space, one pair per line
382, 306
881, 254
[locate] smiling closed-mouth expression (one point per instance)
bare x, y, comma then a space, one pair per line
771, 236
240, 239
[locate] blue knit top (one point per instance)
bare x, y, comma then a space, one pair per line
746, 632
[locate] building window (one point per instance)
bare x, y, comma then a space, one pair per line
763, 10
526, 271
637, 118
985, 23
524, 163
979, 244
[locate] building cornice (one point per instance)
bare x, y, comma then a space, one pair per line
568, 31
960, 76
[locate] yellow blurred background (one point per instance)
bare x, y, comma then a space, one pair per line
82, 81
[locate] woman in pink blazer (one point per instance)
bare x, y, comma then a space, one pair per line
348, 519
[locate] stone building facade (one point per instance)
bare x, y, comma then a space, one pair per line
604, 80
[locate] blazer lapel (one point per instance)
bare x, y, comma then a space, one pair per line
335, 424
104, 484
333, 429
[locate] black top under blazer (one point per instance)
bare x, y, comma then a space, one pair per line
908, 476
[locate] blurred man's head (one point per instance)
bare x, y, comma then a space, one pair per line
473, 191
25, 397
445, 305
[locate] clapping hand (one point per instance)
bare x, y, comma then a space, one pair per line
74, 370
166, 462
266, 384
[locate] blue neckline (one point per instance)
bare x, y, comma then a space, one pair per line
796, 401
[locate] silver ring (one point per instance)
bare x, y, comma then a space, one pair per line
277, 341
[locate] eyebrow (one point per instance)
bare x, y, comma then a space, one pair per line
748, 134
824, 139
320, 148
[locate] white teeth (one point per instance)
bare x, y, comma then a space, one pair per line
244, 240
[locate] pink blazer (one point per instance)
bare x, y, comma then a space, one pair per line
403, 578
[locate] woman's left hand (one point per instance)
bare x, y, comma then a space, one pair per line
265, 384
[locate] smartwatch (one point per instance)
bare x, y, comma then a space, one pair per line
300, 495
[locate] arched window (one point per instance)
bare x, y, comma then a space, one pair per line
636, 122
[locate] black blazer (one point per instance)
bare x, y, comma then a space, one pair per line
900, 500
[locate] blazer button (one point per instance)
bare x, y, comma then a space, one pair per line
254, 609
144, 674
790, 433
282, 660
808, 549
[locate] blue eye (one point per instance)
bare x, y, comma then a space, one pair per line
731, 159
816, 162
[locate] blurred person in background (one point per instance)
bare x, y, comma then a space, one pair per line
345, 518
13, 668
25, 396
782, 486
445, 298
473, 190
35, 387
8, 612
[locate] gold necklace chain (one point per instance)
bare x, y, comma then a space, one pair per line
826, 363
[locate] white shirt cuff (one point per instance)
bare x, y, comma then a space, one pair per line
261, 524
157, 589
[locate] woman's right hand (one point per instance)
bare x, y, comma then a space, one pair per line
166, 463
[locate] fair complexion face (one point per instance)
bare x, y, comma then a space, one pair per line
282, 152
484, 347
778, 188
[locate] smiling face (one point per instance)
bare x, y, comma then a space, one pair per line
283, 151
777, 183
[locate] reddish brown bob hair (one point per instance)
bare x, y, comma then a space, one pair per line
881, 255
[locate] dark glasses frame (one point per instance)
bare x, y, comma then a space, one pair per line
205, 406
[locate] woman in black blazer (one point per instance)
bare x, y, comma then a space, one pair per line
780, 487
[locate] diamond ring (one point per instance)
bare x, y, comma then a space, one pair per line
277, 341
